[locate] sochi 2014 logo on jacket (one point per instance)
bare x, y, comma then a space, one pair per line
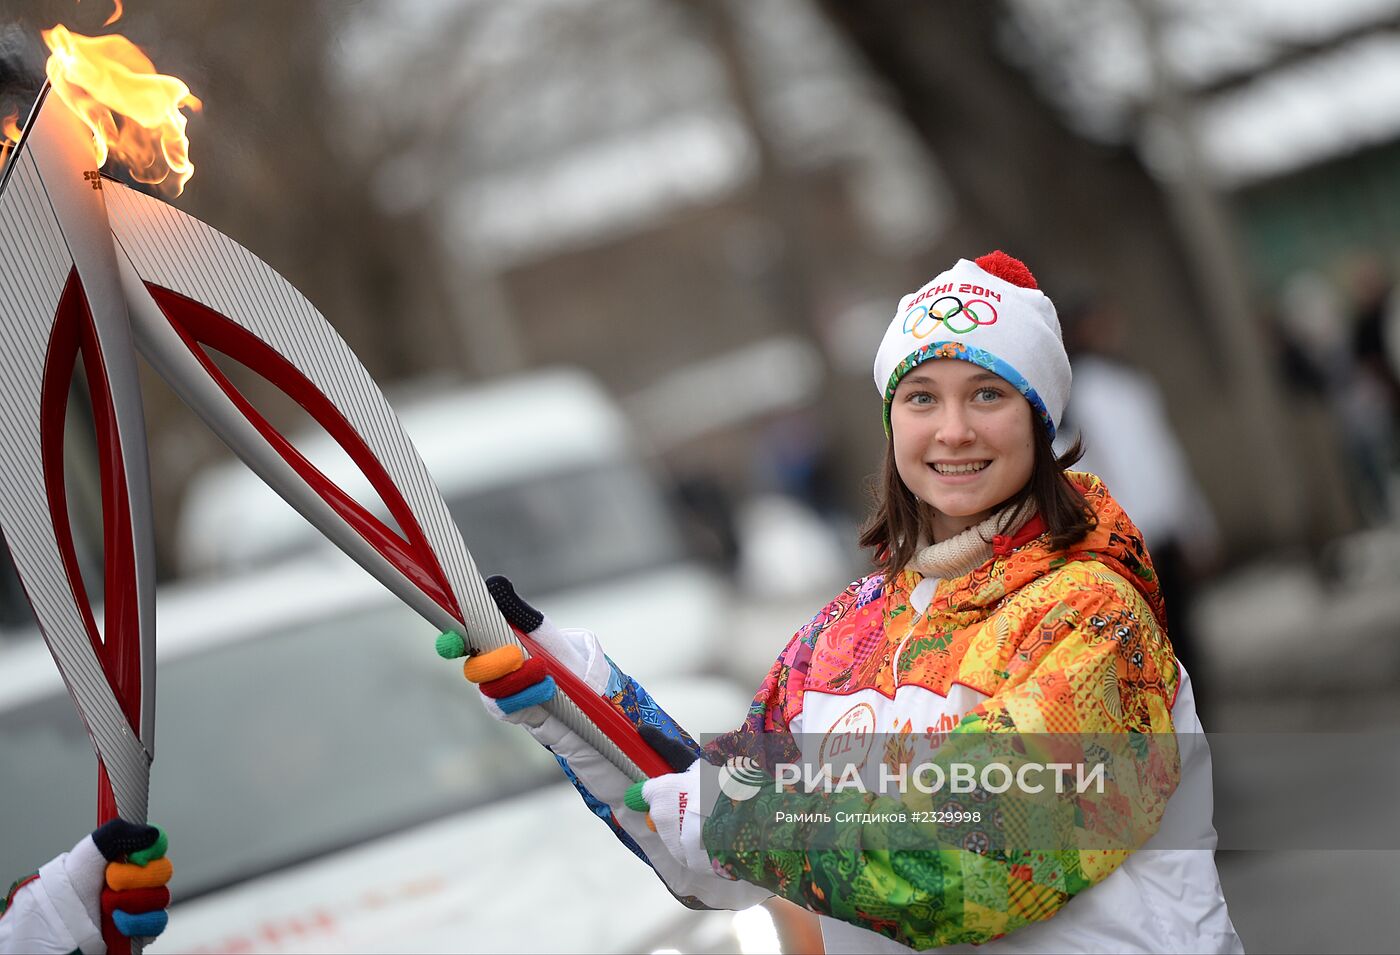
848, 741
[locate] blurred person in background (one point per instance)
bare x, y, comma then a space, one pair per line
706, 509
1376, 345
112, 883
794, 527
796, 458
1328, 354
1119, 414
1013, 597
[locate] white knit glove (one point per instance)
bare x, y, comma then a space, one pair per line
679, 805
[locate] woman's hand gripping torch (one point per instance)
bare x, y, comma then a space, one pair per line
517, 689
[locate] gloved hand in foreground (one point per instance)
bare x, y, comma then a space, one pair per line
108, 889
512, 690
676, 807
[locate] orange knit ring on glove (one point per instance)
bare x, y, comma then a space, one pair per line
125, 875
493, 664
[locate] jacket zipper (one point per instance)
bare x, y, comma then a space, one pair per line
905, 642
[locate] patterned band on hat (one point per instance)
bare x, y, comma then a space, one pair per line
976, 356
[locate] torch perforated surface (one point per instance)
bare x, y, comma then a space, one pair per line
35, 262
167, 248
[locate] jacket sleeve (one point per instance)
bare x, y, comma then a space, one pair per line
632, 700
43, 914
1101, 693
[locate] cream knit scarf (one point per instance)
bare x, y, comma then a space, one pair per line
967, 551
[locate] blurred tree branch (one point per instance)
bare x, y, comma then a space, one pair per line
1025, 181
1294, 53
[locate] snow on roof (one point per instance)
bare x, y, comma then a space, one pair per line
1092, 57
583, 121
550, 127
1328, 106
607, 187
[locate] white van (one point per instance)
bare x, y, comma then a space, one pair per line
544, 477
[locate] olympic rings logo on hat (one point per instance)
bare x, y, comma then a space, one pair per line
922, 320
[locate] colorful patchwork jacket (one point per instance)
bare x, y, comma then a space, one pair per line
1033, 641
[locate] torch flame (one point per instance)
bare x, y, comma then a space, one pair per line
133, 111
10, 127
116, 13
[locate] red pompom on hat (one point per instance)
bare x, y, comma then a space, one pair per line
1006, 267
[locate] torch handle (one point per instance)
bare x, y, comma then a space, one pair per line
601, 713
117, 943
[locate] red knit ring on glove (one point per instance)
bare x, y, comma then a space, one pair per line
136, 900
531, 672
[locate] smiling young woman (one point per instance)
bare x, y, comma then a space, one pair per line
1013, 605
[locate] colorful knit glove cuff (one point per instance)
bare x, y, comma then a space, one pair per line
135, 898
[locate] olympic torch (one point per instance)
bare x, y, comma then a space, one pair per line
189, 291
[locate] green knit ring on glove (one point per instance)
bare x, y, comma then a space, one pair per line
634, 800
154, 851
450, 645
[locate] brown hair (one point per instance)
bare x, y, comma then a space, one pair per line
899, 519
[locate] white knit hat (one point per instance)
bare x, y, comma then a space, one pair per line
988, 312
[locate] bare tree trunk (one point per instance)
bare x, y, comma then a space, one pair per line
772, 192
1212, 245
1079, 211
